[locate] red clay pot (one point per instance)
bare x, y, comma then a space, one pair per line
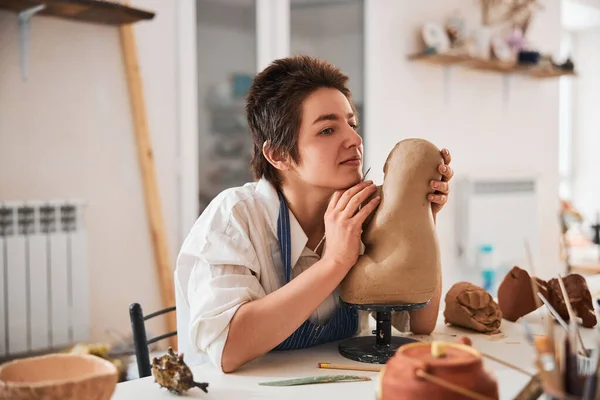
461, 365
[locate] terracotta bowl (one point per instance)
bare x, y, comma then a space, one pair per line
460, 365
58, 377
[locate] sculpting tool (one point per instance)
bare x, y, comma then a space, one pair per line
377, 368
372, 368
574, 328
309, 380
359, 207
451, 386
554, 313
507, 364
365, 175
574, 371
562, 322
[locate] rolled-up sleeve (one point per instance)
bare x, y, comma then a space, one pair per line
215, 292
219, 266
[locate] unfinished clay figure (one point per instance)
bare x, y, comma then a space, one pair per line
401, 262
580, 298
470, 306
515, 294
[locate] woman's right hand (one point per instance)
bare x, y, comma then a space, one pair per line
344, 222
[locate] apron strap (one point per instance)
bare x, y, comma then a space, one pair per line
284, 236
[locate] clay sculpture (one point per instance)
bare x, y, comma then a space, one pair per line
515, 294
172, 373
401, 262
455, 363
470, 306
580, 298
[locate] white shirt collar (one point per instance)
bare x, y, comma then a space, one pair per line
271, 200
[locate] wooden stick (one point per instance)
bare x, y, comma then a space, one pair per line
146, 162
499, 361
373, 368
533, 282
450, 386
573, 321
378, 368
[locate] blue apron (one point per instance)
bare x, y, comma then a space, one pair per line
343, 324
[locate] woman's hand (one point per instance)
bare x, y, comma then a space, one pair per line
442, 188
344, 220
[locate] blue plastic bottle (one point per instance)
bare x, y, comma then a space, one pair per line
487, 266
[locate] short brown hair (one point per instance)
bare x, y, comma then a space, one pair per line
274, 106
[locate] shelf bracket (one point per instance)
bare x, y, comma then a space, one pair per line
24, 25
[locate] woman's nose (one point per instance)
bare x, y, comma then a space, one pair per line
353, 138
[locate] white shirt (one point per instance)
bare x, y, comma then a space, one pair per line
230, 257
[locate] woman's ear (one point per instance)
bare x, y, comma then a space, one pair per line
276, 158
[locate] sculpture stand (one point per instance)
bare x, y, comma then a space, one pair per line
380, 348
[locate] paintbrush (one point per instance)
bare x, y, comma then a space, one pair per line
549, 325
545, 361
591, 382
573, 382
590, 388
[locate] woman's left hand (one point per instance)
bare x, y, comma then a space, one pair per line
442, 188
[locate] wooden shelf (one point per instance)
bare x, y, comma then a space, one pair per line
441, 59
93, 11
494, 66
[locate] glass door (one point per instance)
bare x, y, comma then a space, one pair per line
237, 38
332, 30
226, 65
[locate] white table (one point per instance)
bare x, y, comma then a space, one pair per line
510, 346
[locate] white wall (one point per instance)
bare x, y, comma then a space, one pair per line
68, 133
406, 99
586, 124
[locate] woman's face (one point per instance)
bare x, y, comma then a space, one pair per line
329, 148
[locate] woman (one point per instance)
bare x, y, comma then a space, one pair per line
261, 266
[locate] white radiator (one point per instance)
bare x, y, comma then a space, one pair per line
43, 277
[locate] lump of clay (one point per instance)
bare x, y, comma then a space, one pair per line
401, 262
580, 298
470, 306
515, 294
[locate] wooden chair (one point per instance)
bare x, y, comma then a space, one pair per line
140, 341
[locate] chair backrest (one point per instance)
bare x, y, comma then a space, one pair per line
140, 340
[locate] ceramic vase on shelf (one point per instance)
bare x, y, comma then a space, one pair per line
482, 40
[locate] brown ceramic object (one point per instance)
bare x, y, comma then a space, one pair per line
461, 365
470, 306
580, 298
515, 294
401, 262
58, 377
